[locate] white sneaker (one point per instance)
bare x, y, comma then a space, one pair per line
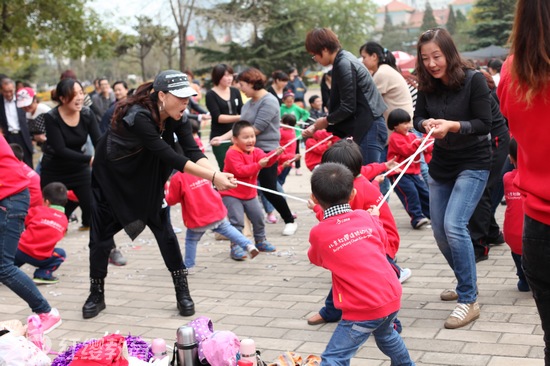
252, 251
405, 274
290, 229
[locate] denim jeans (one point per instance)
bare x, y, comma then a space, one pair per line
374, 141
536, 265
413, 194
45, 267
193, 237
13, 210
350, 335
451, 206
385, 185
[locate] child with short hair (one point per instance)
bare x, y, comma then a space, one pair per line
244, 161
348, 153
302, 115
34, 177
316, 110
351, 244
45, 226
202, 209
513, 216
313, 156
411, 188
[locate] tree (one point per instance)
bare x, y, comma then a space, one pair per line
167, 37
148, 34
64, 27
451, 21
393, 38
492, 22
428, 21
182, 11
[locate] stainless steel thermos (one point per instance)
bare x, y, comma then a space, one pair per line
187, 347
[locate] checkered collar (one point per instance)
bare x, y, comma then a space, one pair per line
336, 210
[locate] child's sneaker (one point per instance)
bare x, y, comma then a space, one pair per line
265, 246
523, 286
237, 253
290, 229
252, 251
405, 274
271, 218
44, 280
116, 257
50, 320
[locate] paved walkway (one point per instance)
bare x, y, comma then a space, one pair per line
270, 298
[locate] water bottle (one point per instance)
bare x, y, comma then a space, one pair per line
187, 347
248, 351
158, 347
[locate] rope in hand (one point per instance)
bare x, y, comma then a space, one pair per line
313, 147
405, 169
271, 191
409, 158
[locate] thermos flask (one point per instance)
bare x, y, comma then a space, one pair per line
187, 347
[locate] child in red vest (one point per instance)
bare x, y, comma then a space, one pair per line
245, 162
45, 226
513, 216
351, 244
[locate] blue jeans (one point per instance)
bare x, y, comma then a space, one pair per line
451, 206
45, 267
385, 185
536, 260
374, 141
192, 239
13, 210
413, 194
350, 335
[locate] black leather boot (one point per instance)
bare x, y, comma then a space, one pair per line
186, 306
96, 301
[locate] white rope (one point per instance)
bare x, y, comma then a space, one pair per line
283, 147
292, 127
405, 169
409, 158
312, 147
271, 191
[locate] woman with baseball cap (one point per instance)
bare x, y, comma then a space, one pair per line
132, 163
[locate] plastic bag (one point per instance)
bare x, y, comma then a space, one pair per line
19, 351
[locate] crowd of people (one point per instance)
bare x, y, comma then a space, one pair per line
449, 123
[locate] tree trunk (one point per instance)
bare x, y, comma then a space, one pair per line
182, 35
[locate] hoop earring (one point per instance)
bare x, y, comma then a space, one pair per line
162, 107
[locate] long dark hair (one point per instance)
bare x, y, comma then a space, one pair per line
456, 65
384, 56
143, 96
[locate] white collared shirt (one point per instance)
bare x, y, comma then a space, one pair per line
11, 115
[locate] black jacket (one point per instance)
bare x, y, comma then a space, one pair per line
23, 130
354, 99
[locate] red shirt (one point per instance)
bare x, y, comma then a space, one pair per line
351, 246
244, 166
44, 228
367, 195
34, 185
370, 171
290, 151
12, 178
313, 157
401, 147
513, 216
528, 125
199, 142
201, 205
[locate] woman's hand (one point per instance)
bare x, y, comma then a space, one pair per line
216, 141
224, 181
441, 127
320, 124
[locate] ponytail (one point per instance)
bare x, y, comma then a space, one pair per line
144, 96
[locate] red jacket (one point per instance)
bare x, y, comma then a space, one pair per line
528, 126
370, 171
513, 216
44, 228
201, 205
367, 195
12, 178
34, 185
401, 147
351, 246
290, 151
313, 157
244, 166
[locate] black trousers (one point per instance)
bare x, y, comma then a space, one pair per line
268, 179
105, 226
536, 266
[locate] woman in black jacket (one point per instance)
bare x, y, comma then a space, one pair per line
132, 163
356, 106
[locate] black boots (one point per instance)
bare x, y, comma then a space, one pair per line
186, 306
96, 301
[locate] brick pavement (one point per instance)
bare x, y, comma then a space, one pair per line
270, 298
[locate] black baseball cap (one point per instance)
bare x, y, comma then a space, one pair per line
174, 82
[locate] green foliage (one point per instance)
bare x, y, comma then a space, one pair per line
451, 21
64, 27
428, 21
492, 22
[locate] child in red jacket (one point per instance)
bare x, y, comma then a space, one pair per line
202, 209
411, 188
513, 216
351, 244
34, 185
45, 226
313, 157
245, 162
